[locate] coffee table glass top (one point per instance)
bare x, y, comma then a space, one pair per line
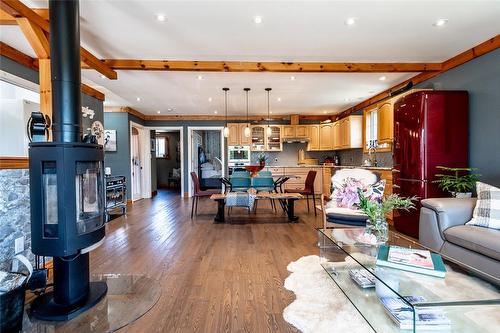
471, 303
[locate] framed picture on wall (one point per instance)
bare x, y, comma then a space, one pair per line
109, 140
153, 144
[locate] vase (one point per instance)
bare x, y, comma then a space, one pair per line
379, 228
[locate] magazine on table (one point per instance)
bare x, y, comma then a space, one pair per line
411, 257
427, 318
363, 278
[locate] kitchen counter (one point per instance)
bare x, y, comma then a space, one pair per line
358, 166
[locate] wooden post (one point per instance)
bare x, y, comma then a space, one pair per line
45, 90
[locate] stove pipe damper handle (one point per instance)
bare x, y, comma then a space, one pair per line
73, 292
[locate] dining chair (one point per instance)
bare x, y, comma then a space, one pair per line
264, 182
198, 193
307, 190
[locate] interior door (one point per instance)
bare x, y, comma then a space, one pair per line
136, 166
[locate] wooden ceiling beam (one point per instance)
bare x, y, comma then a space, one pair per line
17, 56
25, 60
36, 37
477, 51
17, 9
279, 67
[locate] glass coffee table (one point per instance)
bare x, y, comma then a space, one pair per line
469, 302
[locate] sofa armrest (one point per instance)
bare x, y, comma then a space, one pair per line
451, 211
439, 214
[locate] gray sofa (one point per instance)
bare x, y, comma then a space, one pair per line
443, 229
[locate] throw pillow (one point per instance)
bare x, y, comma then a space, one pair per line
346, 195
487, 211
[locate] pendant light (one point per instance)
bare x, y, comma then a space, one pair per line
269, 130
247, 130
226, 129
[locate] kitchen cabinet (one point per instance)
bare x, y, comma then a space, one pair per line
313, 133
244, 140
301, 131
326, 137
236, 136
385, 121
289, 131
233, 138
274, 140
350, 135
337, 139
327, 182
258, 138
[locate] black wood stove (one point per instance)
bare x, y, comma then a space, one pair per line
66, 181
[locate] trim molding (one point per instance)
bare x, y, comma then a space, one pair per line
477, 51
14, 162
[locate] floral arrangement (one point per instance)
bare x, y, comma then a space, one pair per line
376, 209
346, 195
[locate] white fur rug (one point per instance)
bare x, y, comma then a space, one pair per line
320, 306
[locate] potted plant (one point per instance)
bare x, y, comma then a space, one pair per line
377, 230
261, 159
458, 181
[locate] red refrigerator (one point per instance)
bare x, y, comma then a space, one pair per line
430, 129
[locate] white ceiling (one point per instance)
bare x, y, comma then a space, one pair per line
386, 31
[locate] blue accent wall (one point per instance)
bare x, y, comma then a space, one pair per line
481, 78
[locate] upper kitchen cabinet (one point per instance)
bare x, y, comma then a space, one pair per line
313, 134
337, 135
289, 131
233, 138
326, 136
385, 115
301, 131
274, 139
244, 140
350, 132
258, 138
237, 136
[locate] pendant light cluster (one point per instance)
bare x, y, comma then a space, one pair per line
247, 131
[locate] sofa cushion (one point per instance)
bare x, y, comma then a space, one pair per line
487, 211
482, 240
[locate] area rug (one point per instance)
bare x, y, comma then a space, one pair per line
320, 306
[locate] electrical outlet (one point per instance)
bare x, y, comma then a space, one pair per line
19, 245
275, 159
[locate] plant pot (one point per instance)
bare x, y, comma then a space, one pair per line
461, 195
379, 228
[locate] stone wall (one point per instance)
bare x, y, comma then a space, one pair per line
14, 214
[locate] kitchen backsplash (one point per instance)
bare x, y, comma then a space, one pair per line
290, 154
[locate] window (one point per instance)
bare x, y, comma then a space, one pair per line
371, 129
162, 148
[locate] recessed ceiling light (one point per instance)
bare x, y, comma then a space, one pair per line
279, 99
371, 92
257, 19
270, 111
169, 109
138, 99
158, 111
103, 76
347, 99
382, 78
161, 17
324, 111
350, 21
199, 77
292, 78
441, 22
215, 111
210, 99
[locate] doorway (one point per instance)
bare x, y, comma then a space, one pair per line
166, 161
206, 156
135, 152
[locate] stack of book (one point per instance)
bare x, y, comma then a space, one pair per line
426, 318
412, 260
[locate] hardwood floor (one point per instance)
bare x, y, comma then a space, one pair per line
214, 277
